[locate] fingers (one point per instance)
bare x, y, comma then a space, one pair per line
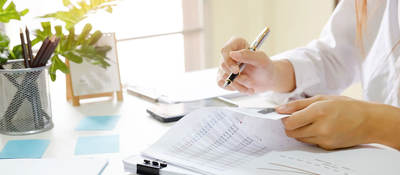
221, 79
235, 85
297, 105
257, 58
299, 119
239, 87
317, 141
309, 140
303, 132
230, 66
245, 80
232, 45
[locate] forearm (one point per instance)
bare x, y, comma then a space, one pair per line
383, 125
284, 79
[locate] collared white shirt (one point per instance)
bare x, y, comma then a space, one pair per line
333, 62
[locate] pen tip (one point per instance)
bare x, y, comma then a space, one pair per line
20, 30
226, 84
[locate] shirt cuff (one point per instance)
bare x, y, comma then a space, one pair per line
305, 73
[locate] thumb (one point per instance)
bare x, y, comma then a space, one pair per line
256, 58
297, 105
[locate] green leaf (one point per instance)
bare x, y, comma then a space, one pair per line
52, 72
60, 65
10, 12
66, 3
95, 37
16, 52
73, 57
35, 41
70, 39
58, 29
76, 46
24, 12
2, 2
3, 61
46, 28
75, 14
95, 55
57, 64
102, 49
4, 42
85, 32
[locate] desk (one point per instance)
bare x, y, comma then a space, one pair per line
136, 128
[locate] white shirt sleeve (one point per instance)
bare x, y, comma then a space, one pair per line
331, 63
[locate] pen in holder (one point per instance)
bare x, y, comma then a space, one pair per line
25, 106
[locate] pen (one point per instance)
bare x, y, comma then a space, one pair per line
253, 47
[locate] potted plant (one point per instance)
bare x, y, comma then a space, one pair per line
24, 99
74, 46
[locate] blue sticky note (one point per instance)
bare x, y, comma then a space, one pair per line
97, 145
15, 149
93, 123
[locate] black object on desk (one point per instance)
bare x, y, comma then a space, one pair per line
148, 168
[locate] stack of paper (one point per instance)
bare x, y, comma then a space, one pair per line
252, 141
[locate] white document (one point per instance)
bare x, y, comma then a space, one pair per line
190, 86
264, 113
214, 140
298, 162
52, 166
230, 141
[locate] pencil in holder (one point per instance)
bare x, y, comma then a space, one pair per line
25, 106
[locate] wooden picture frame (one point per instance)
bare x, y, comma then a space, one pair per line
80, 80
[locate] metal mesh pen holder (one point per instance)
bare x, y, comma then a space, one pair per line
25, 101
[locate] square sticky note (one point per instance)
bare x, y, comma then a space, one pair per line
15, 149
97, 145
93, 123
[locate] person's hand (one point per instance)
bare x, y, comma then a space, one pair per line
330, 122
256, 77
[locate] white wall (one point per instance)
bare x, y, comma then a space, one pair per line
293, 23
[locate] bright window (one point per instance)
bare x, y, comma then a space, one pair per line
150, 34
146, 49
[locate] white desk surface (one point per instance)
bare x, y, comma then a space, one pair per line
136, 128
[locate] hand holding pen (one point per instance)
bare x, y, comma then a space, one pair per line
244, 69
